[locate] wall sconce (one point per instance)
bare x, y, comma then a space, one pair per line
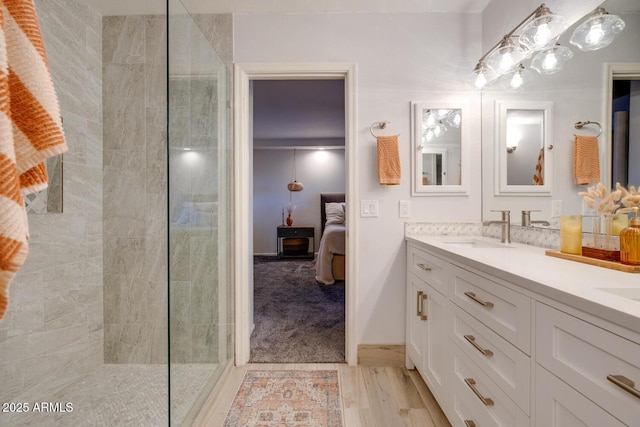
597, 31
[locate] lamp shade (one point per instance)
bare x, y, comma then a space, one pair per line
552, 60
295, 186
597, 31
542, 31
506, 58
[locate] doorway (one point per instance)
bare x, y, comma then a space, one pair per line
244, 74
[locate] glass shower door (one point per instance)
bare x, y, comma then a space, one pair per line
199, 207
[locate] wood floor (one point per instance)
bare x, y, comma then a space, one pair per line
371, 396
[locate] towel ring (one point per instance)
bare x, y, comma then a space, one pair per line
381, 125
580, 125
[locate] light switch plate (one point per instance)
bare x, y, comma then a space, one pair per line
404, 208
368, 208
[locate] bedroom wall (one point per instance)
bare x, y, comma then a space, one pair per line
400, 58
321, 171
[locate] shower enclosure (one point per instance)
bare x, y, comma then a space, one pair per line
122, 314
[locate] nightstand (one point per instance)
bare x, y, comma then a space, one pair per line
297, 244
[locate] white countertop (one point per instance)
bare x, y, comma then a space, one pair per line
572, 283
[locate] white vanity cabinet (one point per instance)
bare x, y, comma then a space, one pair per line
426, 316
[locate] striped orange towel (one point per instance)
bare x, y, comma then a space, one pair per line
586, 160
388, 160
30, 130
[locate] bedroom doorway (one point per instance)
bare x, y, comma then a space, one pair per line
246, 77
298, 137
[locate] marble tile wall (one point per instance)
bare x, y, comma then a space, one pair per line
135, 181
52, 332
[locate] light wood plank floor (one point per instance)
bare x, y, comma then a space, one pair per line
371, 396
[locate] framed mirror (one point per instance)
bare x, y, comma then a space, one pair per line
524, 146
439, 154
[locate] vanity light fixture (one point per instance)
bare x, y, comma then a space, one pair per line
597, 31
537, 31
516, 80
454, 118
551, 60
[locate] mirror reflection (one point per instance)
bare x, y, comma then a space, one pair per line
525, 147
583, 90
438, 153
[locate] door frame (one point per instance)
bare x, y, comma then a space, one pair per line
243, 204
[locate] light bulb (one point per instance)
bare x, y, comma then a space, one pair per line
516, 81
429, 118
550, 61
595, 35
506, 62
437, 131
429, 135
542, 36
481, 81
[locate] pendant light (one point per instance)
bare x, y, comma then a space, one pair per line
597, 31
294, 185
543, 30
517, 80
506, 57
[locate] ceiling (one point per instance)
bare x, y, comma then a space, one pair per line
140, 7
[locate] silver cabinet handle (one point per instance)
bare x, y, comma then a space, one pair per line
472, 341
423, 316
478, 300
469, 423
419, 300
624, 383
472, 385
424, 267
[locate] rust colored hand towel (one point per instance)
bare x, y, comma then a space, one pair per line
30, 130
538, 175
586, 160
388, 160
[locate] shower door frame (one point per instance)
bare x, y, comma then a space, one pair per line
243, 74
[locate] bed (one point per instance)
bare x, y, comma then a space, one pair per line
330, 264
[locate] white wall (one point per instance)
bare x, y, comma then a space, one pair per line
400, 58
321, 171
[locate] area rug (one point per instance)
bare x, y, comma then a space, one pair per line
297, 320
287, 398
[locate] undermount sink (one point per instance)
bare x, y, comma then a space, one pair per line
630, 293
476, 243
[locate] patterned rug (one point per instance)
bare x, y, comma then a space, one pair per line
287, 398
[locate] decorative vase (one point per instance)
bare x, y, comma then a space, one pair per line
289, 220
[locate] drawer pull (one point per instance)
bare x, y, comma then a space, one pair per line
472, 385
624, 383
423, 316
469, 423
472, 341
424, 267
478, 300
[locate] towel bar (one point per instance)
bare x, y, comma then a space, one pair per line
381, 125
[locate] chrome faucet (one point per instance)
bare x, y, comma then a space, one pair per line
526, 219
506, 226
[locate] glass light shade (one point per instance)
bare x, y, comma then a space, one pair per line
454, 118
482, 76
517, 80
439, 129
506, 57
428, 135
552, 60
429, 118
542, 31
597, 31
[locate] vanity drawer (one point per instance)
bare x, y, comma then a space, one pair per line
509, 368
486, 404
587, 357
506, 312
427, 267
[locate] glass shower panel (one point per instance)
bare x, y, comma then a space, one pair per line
200, 249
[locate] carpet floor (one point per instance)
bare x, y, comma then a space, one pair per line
297, 320
287, 398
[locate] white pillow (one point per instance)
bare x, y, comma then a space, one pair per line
334, 213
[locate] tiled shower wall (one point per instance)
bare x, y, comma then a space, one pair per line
52, 332
135, 229
135, 183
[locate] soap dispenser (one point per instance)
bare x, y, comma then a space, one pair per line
630, 241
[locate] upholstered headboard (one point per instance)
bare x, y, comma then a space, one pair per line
328, 198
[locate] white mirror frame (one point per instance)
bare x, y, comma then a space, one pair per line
417, 188
500, 146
